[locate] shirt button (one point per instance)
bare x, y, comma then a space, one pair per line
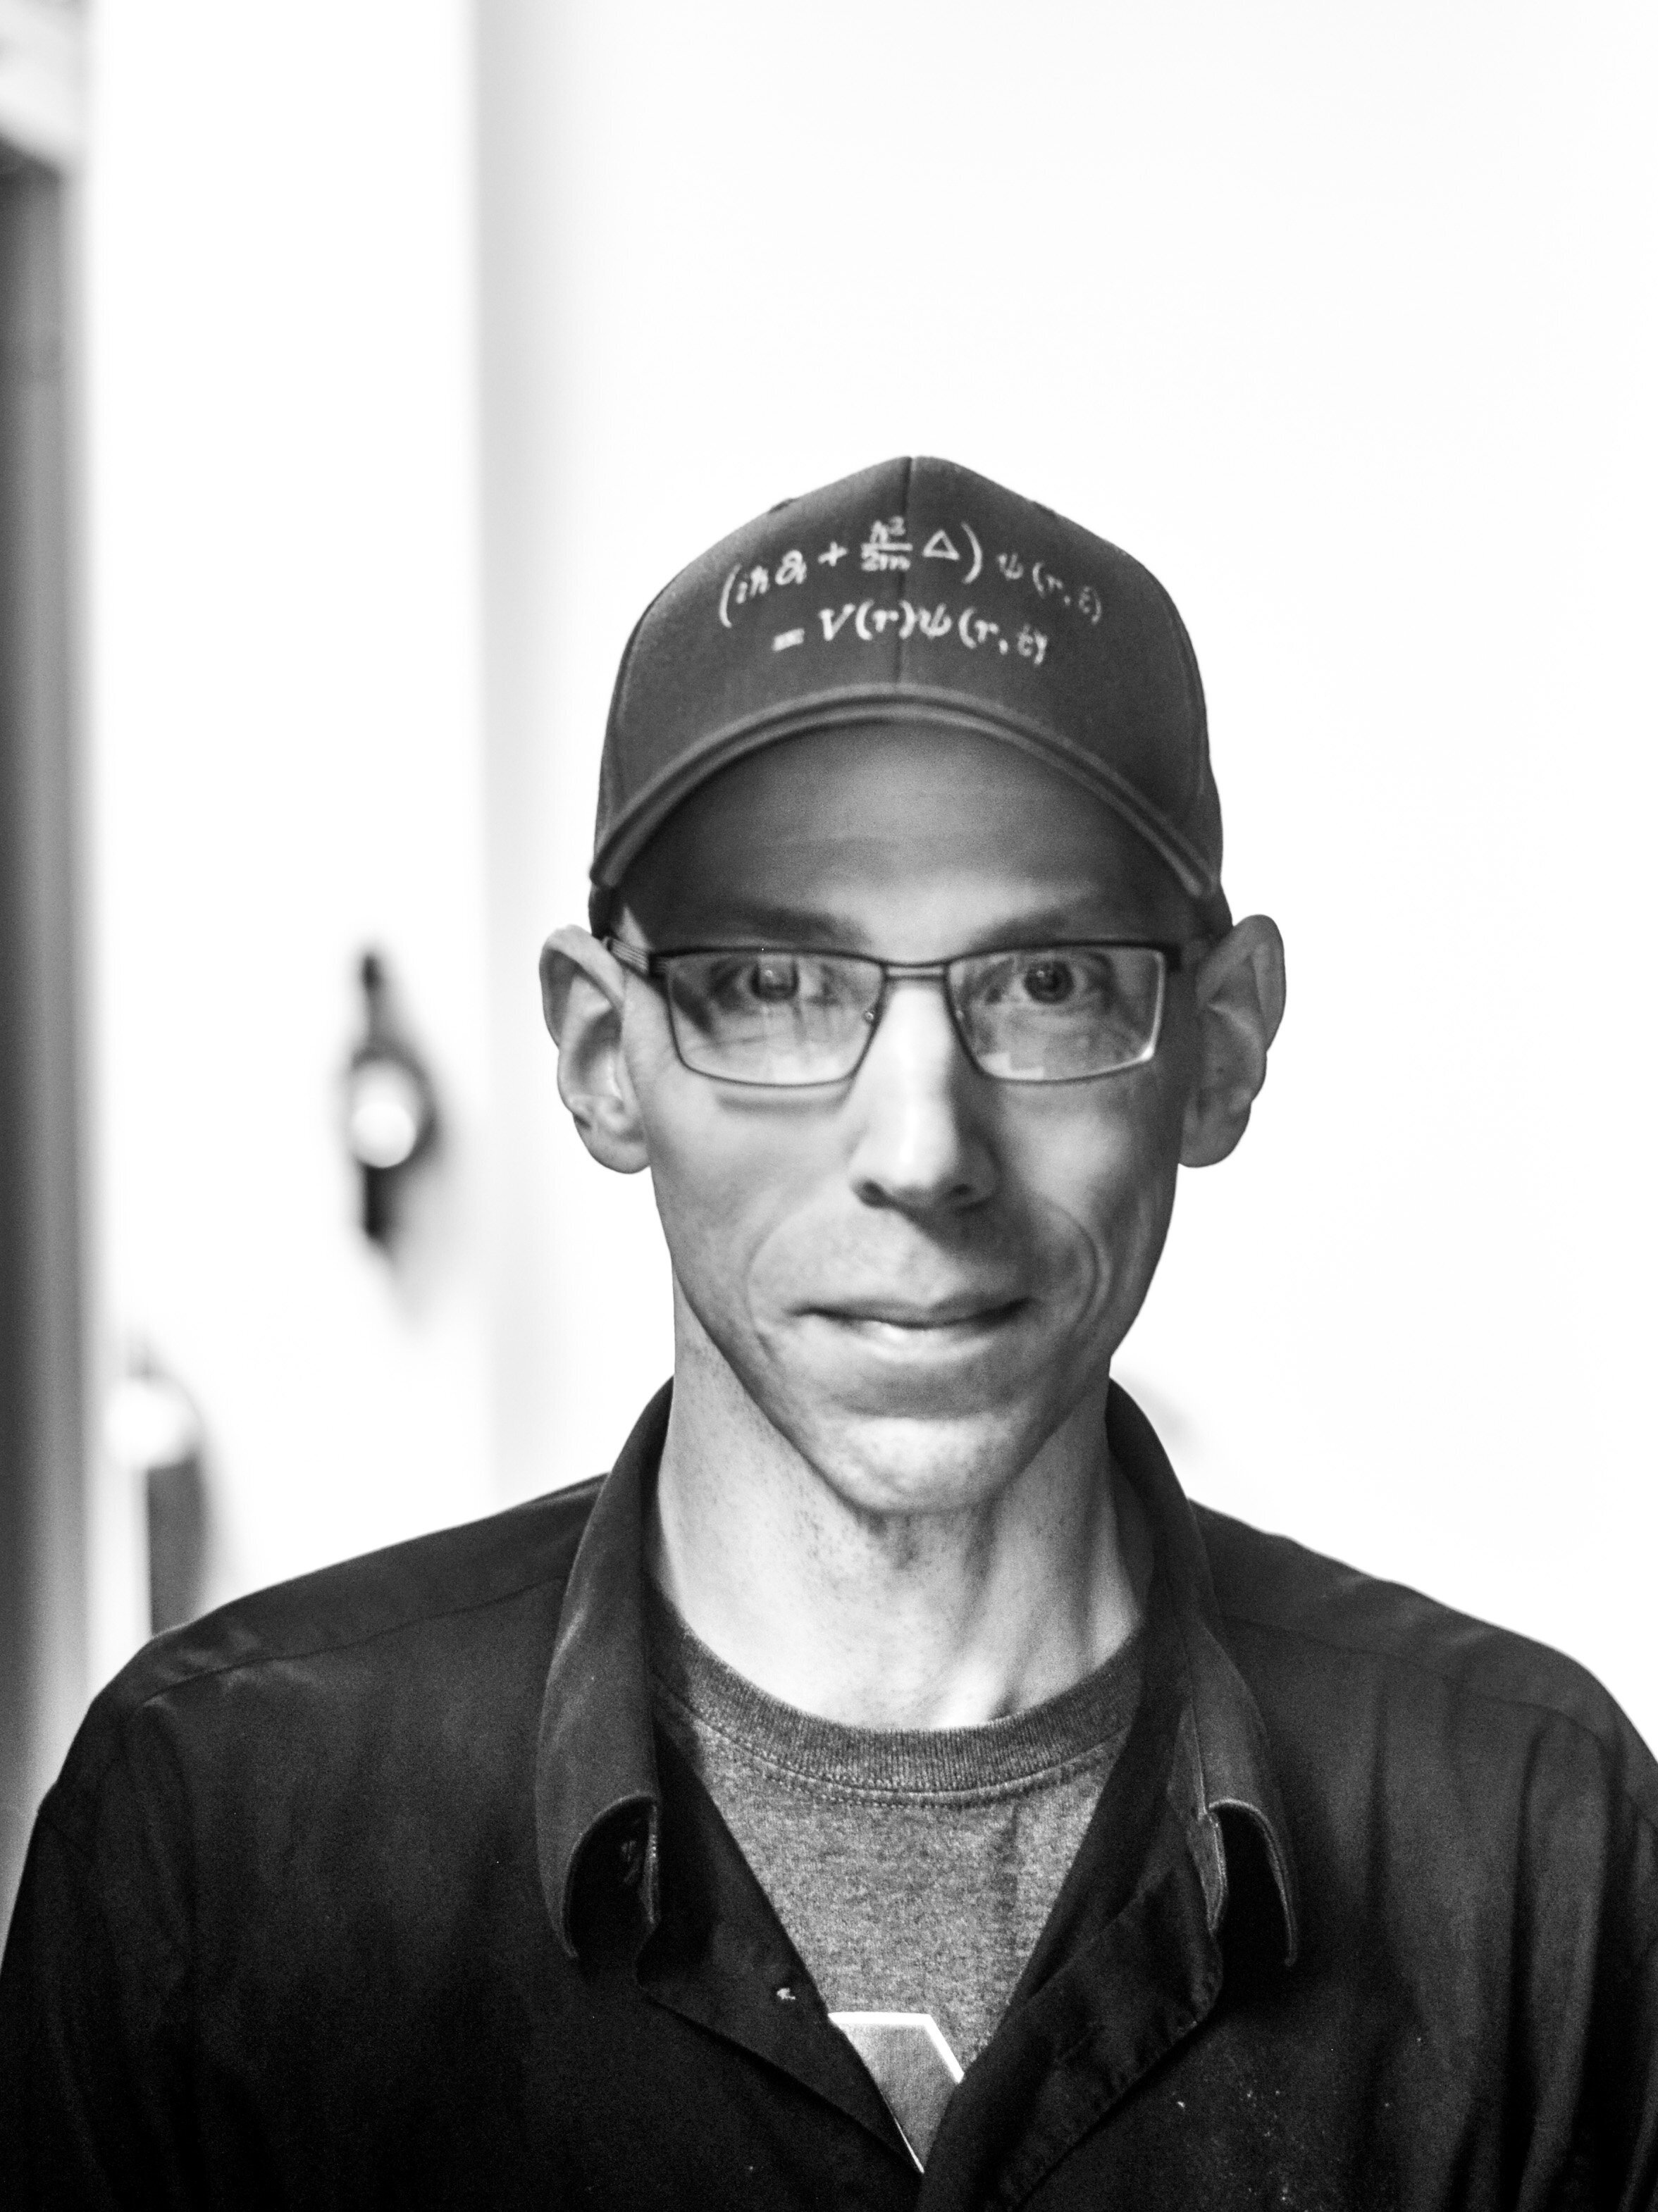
785, 1993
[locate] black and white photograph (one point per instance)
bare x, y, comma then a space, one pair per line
827, 1170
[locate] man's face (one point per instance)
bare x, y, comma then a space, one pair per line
919, 1274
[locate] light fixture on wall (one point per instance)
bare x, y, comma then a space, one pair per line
390, 1111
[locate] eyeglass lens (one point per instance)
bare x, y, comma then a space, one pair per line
1048, 1014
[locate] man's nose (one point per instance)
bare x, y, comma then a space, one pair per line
921, 1141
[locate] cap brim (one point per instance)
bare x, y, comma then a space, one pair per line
846, 707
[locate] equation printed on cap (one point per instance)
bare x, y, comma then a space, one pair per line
1047, 585
889, 547
865, 623
884, 549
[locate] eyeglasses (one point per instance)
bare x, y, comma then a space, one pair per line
786, 1018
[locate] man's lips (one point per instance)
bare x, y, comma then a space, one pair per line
959, 1316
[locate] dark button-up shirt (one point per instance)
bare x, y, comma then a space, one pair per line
379, 1888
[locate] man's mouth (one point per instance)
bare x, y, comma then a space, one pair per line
903, 1322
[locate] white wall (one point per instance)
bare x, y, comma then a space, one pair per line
1344, 320
283, 697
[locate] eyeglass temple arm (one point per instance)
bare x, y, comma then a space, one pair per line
629, 955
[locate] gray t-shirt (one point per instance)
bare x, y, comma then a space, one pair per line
913, 1868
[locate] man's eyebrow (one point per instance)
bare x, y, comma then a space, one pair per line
1089, 914
756, 922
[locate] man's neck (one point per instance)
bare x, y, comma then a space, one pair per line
891, 1620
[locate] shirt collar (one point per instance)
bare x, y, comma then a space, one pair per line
1233, 1762
595, 1764
598, 1799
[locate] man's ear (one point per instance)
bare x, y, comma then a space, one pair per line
1239, 988
582, 992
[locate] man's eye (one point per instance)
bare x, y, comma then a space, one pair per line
775, 982
1049, 982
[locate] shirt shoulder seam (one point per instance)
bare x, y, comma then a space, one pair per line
346, 1643
1367, 1650
89, 1786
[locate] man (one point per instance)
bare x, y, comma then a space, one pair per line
883, 1788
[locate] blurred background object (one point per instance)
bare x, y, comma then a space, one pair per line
152, 1433
43, 1271
391, 1116
42, 80
412, 344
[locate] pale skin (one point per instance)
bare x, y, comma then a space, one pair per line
885, 1495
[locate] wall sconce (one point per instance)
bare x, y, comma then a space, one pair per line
391, 1114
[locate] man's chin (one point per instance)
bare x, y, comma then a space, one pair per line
883, 1464
901, 1437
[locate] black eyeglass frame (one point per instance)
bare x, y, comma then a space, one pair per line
650, 966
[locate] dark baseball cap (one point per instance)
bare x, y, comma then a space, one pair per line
915, 592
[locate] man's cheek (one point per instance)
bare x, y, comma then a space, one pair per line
1113, 1196
719, 1206
1092, 1172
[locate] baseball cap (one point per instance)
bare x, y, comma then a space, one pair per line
916, 591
